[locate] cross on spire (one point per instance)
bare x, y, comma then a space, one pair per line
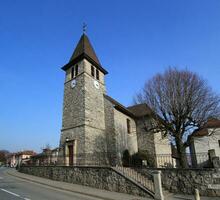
84, 27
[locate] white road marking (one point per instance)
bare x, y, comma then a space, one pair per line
17, 195
10, 192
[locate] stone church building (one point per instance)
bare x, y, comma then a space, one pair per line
95, 127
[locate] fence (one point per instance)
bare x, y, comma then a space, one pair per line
201, 160
194, 160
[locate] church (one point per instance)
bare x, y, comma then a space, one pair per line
95, 127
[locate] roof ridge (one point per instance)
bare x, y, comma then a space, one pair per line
83, 42
119, 105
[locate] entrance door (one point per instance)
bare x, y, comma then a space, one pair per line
70, 148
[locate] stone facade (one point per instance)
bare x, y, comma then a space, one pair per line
110, 133
83, 120
98, 177
154, 145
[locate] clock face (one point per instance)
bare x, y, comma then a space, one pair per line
96, 84
73, 83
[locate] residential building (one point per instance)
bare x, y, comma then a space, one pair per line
21, 157
47, 157
203, 141
11, 161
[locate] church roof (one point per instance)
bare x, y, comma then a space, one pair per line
136, 111
84, 46
84, 49
119, 106
140, 110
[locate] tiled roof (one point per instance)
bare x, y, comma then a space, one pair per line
26, 153
211, 123
84, 49
140, 110
84, 46
201, 132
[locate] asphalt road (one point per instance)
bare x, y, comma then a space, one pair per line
12, 188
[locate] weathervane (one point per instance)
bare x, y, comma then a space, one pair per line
84, 27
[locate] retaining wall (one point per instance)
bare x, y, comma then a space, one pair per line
207, 181
98, 177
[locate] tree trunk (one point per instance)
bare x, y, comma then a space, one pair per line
181, 150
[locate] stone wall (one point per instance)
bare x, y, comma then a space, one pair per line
207, 181
146, 140
152, 144
98, 177
110, 131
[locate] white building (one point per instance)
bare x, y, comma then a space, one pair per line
205, 140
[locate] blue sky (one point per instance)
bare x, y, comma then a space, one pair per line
133, 40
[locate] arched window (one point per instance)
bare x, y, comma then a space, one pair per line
72, 72
76, 70
128, 125
97, 74
92, 71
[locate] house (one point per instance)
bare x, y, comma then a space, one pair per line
97, 129
21, 157
47, 157
11, 161
204, 141
54, 156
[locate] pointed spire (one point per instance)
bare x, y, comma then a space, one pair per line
84, 49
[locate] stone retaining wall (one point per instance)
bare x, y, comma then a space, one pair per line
98, 177
207, 181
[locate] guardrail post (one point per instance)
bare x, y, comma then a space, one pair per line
158, 186
197, 197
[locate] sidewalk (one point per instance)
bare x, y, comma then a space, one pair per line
94, 192
80, 189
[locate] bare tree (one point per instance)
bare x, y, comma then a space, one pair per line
46, 147
181, 102
3, 156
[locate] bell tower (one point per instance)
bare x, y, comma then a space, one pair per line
83, 122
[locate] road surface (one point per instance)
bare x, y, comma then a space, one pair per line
12, 188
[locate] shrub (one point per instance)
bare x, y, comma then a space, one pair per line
126, 158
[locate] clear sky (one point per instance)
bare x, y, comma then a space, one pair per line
133, 40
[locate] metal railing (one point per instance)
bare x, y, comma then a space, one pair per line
201, 160
147, 180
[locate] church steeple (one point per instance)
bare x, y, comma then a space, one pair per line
84, 47
83, 121
85, 50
